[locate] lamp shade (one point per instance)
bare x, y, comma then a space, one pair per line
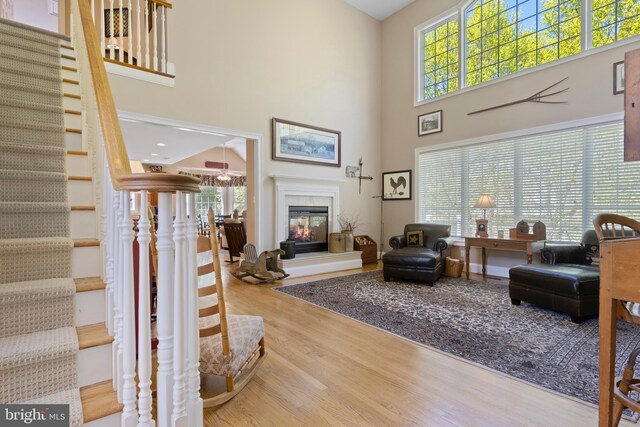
485, 201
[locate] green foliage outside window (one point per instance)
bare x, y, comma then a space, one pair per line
614, 20
505, 36
441, 59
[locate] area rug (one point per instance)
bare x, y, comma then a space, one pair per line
476, 321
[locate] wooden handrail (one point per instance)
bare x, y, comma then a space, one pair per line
121, 176
162, 3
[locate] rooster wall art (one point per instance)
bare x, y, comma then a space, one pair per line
396, 185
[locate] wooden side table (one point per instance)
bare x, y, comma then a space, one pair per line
498, 244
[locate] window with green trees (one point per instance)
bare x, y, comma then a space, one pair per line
441, 62
614, 20
489, 39
505, 36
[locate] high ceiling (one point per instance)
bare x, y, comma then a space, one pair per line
379, 9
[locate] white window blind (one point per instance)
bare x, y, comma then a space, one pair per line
562, 178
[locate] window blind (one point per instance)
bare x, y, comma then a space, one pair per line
562, 178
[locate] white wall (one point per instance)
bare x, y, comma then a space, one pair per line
590, 94
35, 13
241, 63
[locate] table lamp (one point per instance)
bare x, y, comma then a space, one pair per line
484, 202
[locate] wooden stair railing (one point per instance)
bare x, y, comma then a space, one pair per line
177, 381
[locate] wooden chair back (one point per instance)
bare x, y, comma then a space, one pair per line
236, 238
613, 227
205, 244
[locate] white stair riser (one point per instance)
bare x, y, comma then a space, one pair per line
83, 224
80, 193
110, 421
94, 365
90, 307
73, 141
77, 165
72, 104
73, 121
67, 62
71, 88
85, 262
67, 74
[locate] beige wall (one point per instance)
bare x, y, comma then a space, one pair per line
236, 163
590, 94
240, 63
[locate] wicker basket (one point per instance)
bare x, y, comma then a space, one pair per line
369, 249
453, 267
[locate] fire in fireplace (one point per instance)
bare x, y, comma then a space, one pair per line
308, 228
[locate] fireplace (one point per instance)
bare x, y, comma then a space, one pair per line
308, 228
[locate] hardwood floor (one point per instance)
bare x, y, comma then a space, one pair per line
325, 369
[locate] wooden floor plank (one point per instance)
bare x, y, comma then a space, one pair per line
323, 368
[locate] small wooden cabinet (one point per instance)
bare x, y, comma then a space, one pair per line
369, 249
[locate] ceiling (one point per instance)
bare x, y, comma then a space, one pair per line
379, 9
143, 138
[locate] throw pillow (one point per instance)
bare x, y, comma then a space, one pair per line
415, 238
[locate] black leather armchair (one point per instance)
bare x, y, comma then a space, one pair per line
580, 254
418, 263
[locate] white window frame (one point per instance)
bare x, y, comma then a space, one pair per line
585, 45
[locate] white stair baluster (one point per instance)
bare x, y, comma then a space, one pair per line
164, 40
138, 24
144, 317
179, 418
129, 37
194, 402
154, 37
112, 51
164, 283
146, 33
107, 220
129, 412
117, 297
120, 34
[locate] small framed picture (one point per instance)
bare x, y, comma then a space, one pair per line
396, 185
430, 123
618, 77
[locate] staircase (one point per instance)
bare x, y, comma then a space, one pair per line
54, 345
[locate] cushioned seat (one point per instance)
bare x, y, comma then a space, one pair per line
566, 288
417, 255
413, 256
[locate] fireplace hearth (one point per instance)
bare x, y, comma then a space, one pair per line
308, 227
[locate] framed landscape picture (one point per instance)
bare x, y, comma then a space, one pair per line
430, 123
396, 185
296, 142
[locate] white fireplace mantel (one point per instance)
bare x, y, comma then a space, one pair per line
295, 190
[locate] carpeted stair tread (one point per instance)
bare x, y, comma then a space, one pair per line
27, 124
32, 157
27, 349
24, 305
69, 397
32, 186
35, 258
31, 223
25, 104
48, 47
24, 34
27, 53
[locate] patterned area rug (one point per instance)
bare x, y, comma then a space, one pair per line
475, 320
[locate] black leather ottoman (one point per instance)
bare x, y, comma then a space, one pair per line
565, 288
412, 263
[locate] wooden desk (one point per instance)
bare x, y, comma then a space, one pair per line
498, 244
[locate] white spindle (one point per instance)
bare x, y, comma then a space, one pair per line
129, 36
164, 282
129, 412
112, 51
178, 417
194, 402
146, 33
138, 25
117, 296
144, 318
108, 248
101, 27
155, 36
164, 39
120, 34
